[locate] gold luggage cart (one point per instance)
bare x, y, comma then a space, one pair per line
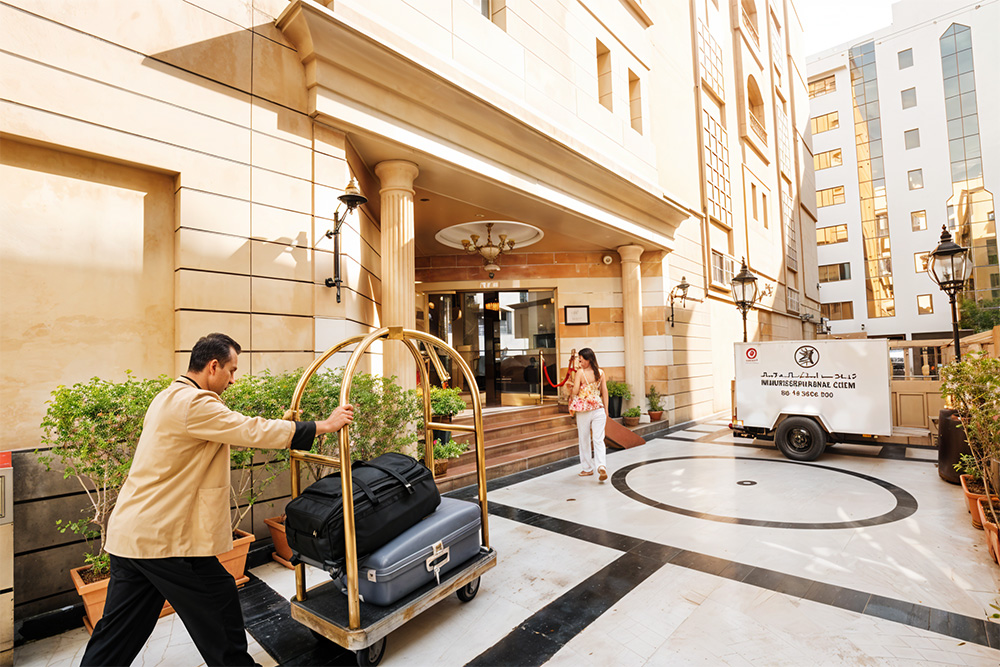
324, 609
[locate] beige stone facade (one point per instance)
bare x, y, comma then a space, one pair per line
171, 168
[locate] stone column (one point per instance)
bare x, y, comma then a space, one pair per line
398, 264
635, 364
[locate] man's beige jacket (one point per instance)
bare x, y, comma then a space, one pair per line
175, 501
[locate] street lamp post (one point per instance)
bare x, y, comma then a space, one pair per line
948, 265
744, 287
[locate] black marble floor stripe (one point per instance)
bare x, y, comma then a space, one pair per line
545, 632
267, 617
966, 628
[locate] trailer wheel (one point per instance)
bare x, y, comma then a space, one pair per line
371, 656
467, 592
800, 439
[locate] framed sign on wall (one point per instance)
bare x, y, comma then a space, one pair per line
576, 315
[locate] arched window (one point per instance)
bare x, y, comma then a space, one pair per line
755, 107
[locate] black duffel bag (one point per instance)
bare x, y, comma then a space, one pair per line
391, 493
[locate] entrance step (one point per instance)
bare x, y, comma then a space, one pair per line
519, 439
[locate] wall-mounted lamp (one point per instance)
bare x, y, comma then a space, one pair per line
352, 198
806, 317
680, 291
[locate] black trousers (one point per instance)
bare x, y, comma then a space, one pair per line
199, 589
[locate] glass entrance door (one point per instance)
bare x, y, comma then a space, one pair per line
505, 337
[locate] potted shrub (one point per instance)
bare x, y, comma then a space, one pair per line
617, 392
973, 388
443, 451
91, 430
385, 420
972, 486
655, 404
989, 523
445, 404
631, 416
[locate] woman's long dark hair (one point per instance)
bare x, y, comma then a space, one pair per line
588, 354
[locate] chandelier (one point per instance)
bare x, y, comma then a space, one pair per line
468, 236
489, 251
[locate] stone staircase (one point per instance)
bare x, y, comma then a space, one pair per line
517, 439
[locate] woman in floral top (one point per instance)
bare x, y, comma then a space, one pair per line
589, 400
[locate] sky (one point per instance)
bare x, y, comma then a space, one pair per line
829, 23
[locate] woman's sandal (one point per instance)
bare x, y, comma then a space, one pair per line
604, 474
584, 473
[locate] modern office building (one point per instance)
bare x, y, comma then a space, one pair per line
173, 167
902, 145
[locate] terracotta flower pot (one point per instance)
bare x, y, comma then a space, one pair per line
631, 421
992, 529
282, 552
971, 498
94, 595
440, 467
655, 415
235, 560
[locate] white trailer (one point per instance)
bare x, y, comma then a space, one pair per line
806, 393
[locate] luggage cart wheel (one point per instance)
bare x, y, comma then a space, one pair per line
467, 592
371, 656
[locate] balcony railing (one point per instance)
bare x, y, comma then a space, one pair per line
758, 127
751, 28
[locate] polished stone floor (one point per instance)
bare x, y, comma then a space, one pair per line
700, 549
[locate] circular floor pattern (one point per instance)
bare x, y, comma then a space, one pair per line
808, 497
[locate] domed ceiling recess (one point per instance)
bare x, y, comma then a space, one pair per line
490, 239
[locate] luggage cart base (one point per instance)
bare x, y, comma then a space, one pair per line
325, 608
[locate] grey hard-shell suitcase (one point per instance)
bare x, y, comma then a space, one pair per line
445, 539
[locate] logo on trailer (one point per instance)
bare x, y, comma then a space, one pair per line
807, 356
751, 354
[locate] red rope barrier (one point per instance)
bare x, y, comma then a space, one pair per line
545, 370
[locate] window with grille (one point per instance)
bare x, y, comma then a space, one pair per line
792, 300
711, 61
720, 202
722, 269
788, 222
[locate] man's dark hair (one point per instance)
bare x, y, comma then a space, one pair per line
213, 346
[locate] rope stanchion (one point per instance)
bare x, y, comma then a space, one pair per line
545, 370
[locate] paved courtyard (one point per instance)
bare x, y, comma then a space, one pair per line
700, 549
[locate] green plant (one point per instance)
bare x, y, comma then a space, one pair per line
448, 450
92, 429
446, 402
632, 412
967, 466
979, 315
654, 397
973, 387
621, 389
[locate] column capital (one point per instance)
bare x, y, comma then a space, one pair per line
396, 174
630, 253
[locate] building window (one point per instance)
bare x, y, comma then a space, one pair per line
841, 310
920, 262
792, 300
720, 202
911, 138
831, 235
755, 107
784, 139
830, 196
482, 5
635, 101
722, 269
831, 273
918, 220
909, 97
711, 61
827, 84
829, 121
749, 20
905, 58
828, 159
777, 47
604, 75
791, 237
925, 304
915, 179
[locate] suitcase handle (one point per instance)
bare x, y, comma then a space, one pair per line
392, 473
